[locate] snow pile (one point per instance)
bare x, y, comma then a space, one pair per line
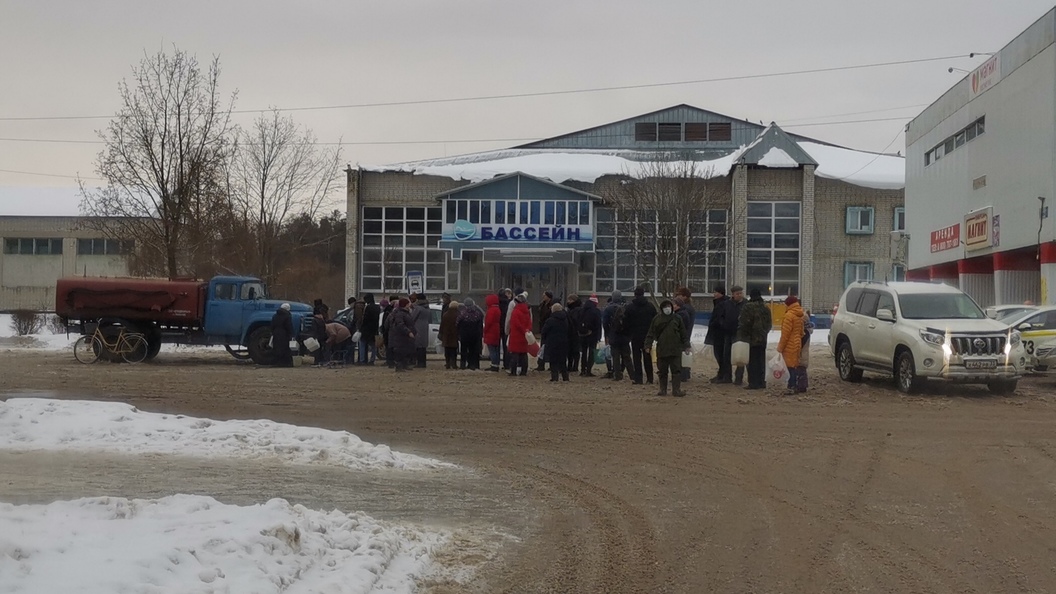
870, 170
188, 543
41, 424
777, 158
44, 339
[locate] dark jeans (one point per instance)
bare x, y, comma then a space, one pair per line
506, 355
587, 351
793, 377
756, 366
559, 367
420, 356
722, 347
495, 354
621, 360
450, 357
471, 353
366, 346
574, 352
641, 358
518, 363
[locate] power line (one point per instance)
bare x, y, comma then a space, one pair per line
539, 93
49, 174
464, 140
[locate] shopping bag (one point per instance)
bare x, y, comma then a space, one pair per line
739, 353
533, 349
358, 335
529, 337
687, 359
542, 353
311, 344
600, 355
776, 367
271, 342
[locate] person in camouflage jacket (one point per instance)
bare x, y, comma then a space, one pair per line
754, 327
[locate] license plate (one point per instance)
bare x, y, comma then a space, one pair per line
981, 364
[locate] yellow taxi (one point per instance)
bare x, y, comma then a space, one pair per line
1038, 328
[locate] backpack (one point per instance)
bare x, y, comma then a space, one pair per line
584, 328
619, 320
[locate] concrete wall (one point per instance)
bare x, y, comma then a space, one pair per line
28, 281
1015, 154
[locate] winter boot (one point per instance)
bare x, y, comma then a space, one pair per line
676, 386
663, 387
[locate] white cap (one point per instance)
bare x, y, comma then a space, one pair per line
285, 306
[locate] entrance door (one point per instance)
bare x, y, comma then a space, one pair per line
536, 279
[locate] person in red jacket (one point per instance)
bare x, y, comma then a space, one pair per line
493, 330
520, 325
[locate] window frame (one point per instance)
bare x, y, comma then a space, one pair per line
851, 266
854, 214
899, 210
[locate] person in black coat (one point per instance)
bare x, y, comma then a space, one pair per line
572, 307
588, 329
281, 334
555, 338
505, 297
368, 330
719, 333
640, 314
401, 347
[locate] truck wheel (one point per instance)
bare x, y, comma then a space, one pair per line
906, 374
153, 336
258, 347
1002, 387
845, 363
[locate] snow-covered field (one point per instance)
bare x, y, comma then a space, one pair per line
191, 544
45, 340
28, 424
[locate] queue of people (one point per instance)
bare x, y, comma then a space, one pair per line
570, 337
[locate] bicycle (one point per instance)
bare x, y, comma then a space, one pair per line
131, 346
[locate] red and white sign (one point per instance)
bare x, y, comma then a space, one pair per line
946, 239
977, 234
984, 77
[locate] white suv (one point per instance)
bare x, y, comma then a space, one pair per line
917, 331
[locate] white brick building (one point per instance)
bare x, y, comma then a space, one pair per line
791, 214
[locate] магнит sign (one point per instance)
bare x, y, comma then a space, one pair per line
977, 230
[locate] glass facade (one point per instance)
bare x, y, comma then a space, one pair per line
397, 240
617, 266
773, 247
518, 212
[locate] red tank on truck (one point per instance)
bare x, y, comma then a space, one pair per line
229, 311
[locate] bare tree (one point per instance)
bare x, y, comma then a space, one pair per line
164, 151
676, 222
277, 172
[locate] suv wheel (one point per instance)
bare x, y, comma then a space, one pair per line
906, 374
1002, 387
845, 363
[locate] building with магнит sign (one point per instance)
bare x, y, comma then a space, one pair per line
786, 213
981, 177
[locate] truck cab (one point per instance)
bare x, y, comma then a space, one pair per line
238, 312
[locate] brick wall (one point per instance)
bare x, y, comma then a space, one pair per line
833, 246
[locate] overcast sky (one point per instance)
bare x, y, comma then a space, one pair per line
65, 59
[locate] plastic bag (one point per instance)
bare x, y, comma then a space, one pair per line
533, 349
529, 337
687, 359
542, 353
776, 367
739, 353
358, 335
600, 355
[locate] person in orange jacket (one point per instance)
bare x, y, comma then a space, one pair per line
791, 343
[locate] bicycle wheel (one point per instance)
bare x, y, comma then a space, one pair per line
86, 350
133, 348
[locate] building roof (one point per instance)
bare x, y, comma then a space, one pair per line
557, 160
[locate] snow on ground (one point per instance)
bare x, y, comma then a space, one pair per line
46, 341
817, 337
189, 543
28, 424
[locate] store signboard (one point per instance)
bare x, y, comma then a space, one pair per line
977, 230
984, 77
946, 238
415, 281
465, 231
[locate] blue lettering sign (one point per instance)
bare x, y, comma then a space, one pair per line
486, 234
573, 234
544, 234
500, 234
529, 233
558, 234
515, 233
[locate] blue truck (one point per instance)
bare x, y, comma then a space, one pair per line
229, 311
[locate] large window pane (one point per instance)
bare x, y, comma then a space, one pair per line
786, 241
452, 211
536, 214
474, 211
760, 209
500, 212
759, 225
523, 220
584, 213
485, 212
462, 208
786, 225
559, 217
549, 209
786, 209
394, 213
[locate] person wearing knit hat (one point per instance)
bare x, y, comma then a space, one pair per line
400, 347
790, 300
639, 314
618, 336
616, 295
737, 299
448, 335
281, 335
594, 297
753, 327
543, 312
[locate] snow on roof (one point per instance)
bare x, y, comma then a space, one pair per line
777, 158
870, 170
860, 168
556, 165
